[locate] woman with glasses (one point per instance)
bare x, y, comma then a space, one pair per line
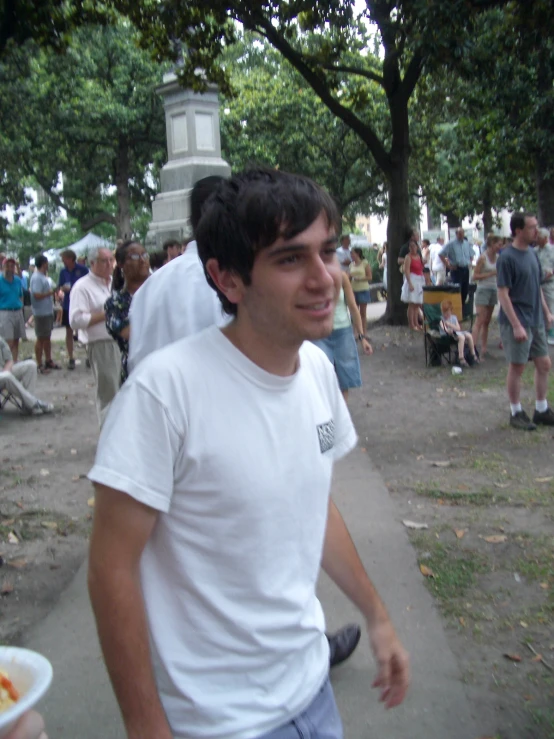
131, 270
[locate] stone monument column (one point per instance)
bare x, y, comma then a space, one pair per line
194, 152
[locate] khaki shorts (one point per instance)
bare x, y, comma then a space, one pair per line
486, 296
12, 325
521, 352
44, 326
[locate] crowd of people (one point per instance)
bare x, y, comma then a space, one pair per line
208, 535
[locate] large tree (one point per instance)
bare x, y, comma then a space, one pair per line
275, 118
91, 114
384, 47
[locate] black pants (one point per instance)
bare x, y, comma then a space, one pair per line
460, 276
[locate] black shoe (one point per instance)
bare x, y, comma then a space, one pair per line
71, 364
342, 643
522, 421
546, 418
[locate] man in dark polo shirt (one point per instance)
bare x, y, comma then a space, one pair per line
68, 277
456, 256
522, 318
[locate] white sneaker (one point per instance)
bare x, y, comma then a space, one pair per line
46, 407
550, 341
36, 410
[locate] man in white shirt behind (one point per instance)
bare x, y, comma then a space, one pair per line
438, 270
213, 518
86, 314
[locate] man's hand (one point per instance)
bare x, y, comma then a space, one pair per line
549, 318
366, 347
520, 334
394, 664
29, 726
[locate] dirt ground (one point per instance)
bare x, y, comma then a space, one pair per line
450, 460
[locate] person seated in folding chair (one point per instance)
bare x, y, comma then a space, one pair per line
449, 326
18, 383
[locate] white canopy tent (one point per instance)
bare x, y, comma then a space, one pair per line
82, 246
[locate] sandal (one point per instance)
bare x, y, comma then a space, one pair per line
463, 363
52, 365
43, 369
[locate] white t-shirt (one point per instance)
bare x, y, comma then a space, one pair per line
239, 462
436, 263
174, 302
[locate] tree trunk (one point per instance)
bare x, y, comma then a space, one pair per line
398, 225
487, 212
123, 217
545, 192
453, 220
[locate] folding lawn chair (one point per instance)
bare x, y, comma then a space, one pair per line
7, 397
437, 346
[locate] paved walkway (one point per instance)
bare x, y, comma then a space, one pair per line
80, 703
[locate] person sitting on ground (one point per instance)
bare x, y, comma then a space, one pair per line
449, 326
486, 295
340, 345
20, 380
361, 276
412, 289
131, 271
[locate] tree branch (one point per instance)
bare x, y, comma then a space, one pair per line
412, 75
360, 71
103, 217
365, 132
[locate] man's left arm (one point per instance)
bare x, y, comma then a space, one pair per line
344, 566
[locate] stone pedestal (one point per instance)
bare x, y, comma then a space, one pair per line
194, 152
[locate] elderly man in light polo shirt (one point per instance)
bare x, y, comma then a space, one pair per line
457, 256
86, 314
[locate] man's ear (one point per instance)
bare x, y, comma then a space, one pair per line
227, 282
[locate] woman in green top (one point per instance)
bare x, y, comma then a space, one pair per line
360, 276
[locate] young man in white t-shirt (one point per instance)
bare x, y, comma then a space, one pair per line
212, 479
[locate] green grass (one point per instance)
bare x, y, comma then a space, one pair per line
543, 721
454, 568
483, 497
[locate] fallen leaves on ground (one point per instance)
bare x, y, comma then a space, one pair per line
414, 525
495, 538
90, 502
7, 587
45, 473
460, 533
18, 564
12, 538
544, 479
441, 464
49, 525
512, 657
426, 571
538, 658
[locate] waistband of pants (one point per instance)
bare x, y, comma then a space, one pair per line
9, 310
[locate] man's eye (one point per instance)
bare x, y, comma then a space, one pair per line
292, 259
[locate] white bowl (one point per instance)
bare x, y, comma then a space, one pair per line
31, 674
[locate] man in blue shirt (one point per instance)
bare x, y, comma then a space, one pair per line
68, 277
523, 314
457, 256
12, 322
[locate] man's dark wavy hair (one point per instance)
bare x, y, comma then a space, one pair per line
250, 211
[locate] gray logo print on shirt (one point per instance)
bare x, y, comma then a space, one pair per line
326, 434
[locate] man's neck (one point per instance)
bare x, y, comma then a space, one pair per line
106, 280
263, 351
518, 243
